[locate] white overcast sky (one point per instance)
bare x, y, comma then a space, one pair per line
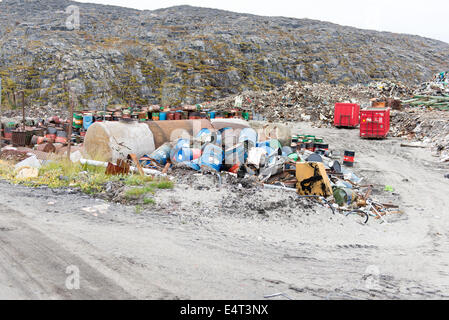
428, 18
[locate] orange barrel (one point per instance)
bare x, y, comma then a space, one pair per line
155, 116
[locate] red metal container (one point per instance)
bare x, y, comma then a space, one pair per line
374, 123
346, 115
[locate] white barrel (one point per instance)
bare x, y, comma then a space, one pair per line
268, 131
113, 140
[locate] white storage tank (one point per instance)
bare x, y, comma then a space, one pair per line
113, 140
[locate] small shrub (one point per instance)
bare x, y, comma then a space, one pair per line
148, 201
137, 180
137, 192
138, 209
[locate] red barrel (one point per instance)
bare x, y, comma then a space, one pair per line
348, 159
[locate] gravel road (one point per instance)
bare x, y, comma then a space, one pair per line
186, 252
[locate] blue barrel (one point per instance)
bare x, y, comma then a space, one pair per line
263, 143
250, 135
286, 151
177, 154
162, 116
88, 119
235, 155
212, 157
182, 155
161, 154
273, 144
194, 164
212, 114
182, 143
203, 132
219, 135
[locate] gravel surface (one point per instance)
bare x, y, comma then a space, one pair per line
203, 241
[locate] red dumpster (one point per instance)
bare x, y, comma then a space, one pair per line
346, 115
374, 123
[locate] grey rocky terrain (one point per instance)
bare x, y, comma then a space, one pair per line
189, 55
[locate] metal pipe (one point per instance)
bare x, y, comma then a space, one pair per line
1, 125
22, 94
69, 147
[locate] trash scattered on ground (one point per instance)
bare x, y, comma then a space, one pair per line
256, 158
232, 139
26, 172
95, 210
29, 162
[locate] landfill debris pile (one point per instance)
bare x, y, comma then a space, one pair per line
306, 166
233, 196
33, 112
424, 117
433, 94
48, 136
438, 86
308, 102
431, 128
229, 150
294, 101
390, 89
14, 155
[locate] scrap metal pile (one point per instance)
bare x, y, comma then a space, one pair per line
39, 136
433, 94
390, 89
425, 117
305, 166
308, 102
430, 128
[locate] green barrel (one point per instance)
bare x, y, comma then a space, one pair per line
293, 156
275, 144
77, 121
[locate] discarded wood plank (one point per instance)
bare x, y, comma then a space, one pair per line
412, 146
390, 206
367, 194
167, 166
134, 159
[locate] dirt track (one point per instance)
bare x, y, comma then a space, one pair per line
188, 253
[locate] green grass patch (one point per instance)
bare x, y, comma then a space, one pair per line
88, 179
137, 192
163, 184
138, 209
6, 170
137, 180
148, 201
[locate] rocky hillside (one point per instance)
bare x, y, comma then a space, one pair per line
189, 55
